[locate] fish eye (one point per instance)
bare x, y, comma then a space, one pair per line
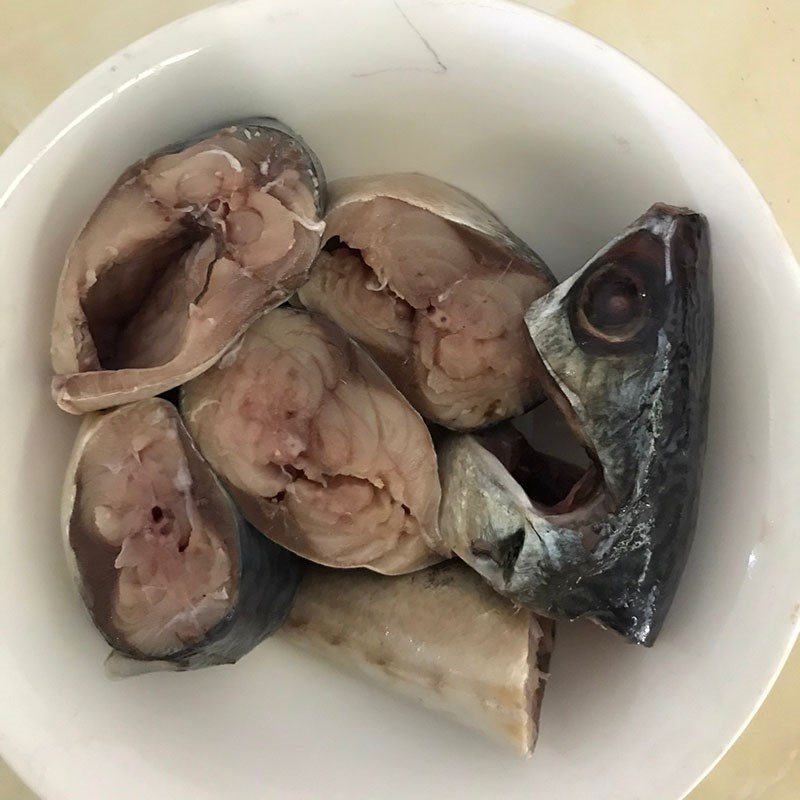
614, 303
619, 303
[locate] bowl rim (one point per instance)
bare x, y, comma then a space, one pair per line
22, 154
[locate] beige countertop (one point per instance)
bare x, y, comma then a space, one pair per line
737, 62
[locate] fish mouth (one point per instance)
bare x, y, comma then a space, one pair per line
559, 489
562, 480
558, 485
555, 486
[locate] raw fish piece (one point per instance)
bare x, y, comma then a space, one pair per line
172, 575
318, 448
441, 637
435, 287
187, 248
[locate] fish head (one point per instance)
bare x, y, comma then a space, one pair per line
615, 339
624, 351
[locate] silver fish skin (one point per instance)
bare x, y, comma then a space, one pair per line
625, 349
440, 637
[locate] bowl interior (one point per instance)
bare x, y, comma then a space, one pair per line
567, 141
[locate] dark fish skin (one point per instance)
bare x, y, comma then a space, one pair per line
626, 348
268, 579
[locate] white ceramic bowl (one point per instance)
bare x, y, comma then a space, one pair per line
568, 141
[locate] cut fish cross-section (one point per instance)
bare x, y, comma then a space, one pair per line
435, 287
319, 449
168, 568
187, 248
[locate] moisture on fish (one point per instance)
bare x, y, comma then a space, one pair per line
186, 249
169, 570
441, 637
435, 287
623, 348
319, 449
